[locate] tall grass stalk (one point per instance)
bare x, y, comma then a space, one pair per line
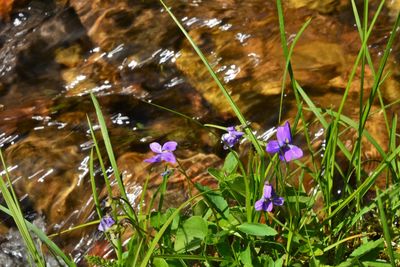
362, 29
94, 188
100, 159
107, 143
386, 229
15, 211
116, 242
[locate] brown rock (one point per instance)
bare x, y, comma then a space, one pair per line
5, 8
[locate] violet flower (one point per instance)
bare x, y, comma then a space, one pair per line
231, 137
164, 153
283, 145
105, 223
268, 200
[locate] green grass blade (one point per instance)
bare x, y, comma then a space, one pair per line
386, 230
302, 29
15, 211
110, 152
320, 117
99, 157
379, 74
353, 124
362, 32
174, 112
189, 257
366, 185
392, 145
93, 184
359, 56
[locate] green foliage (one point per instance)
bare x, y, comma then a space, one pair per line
231, 163
190, 235
366, 252
257, 229
99, 261
159, 262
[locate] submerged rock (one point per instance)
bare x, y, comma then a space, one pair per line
394, 7
46, 169
5, 9
323, 6
29, 41
13, 251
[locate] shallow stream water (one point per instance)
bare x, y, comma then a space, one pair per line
130, 53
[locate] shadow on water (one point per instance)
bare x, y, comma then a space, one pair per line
53, 53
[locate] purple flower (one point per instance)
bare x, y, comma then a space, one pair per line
105, 223
164, 153
268, 200
283, 145
231, 137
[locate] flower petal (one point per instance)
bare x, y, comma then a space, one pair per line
230, 129
259, 205
293, 153
155, 147
156, 158
273, 147
284, 135
236, 133
278, 201
225, 137
170, 146
105, 223
229, 140
168, 156
268, 205
268, 191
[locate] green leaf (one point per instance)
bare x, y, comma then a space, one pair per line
362, 252
200, 208
224, 249
159, 262
257, 229
245, 257
298, 199
216, 174
367, 247
279, 262
191, 234
230, 163
157, 219
235, 184
376, 264
215, 199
